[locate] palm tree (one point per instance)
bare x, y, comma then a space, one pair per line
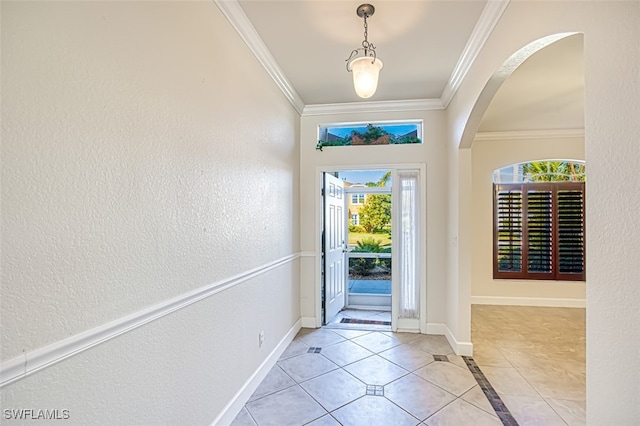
384, 179
553, 171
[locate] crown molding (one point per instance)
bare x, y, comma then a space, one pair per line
490, 16
232, 10
529, 134
368, 107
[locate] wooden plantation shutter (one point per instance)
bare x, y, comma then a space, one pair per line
570, 231
507, 260
539, 231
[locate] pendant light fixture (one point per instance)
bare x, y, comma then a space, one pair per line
365, 68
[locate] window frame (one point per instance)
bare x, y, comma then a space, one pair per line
359, 196
525, 189
365, 138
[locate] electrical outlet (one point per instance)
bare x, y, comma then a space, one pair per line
261, 338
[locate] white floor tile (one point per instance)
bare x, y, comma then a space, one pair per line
375, 370
306, 366
335, 389
373, 411
289, 407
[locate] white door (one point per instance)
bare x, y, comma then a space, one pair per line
334, 246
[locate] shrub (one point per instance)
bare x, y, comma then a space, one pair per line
359, 229
368, 245
385, 264
362, 266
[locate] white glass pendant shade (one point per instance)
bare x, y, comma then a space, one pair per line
365, 75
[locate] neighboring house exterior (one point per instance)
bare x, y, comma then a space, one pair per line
355, 202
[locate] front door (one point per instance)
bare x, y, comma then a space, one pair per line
334, 246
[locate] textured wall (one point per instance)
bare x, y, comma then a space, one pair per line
612, 94
179, 370
145, 153
487, 156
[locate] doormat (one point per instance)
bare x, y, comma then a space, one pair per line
362, 321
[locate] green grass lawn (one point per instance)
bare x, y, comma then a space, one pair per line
354, 237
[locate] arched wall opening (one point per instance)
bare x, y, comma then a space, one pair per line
464, 173
487, 151
610, 134
490, 151
497, 79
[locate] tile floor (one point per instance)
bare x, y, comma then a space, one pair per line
535, 359
370, 377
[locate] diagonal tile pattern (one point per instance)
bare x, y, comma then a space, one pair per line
476, 397
346, 352
448, 376
407, 357
460, 412
306, 366
417, 396
375, 342
373, 411
375, 370
291, 406
334, 389
540, 383
275, 381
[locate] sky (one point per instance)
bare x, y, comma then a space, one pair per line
362, 176
396, 129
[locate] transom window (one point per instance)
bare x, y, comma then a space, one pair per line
539, 221
383, 133
542, 171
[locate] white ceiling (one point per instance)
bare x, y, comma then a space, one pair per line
424, 46
545, 93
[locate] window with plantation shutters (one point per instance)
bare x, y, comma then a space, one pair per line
508, 228
539, 231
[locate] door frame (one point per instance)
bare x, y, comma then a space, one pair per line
367, 190
421, 325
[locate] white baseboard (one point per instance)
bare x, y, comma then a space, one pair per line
406, 325
436, 328
529, 301
308, 322
460, 348
233, 407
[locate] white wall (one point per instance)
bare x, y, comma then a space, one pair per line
431, 153
487, 156
145, 154
612, 105
612, 74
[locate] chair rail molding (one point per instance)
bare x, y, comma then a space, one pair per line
33, 361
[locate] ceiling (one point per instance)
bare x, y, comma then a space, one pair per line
426, 47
